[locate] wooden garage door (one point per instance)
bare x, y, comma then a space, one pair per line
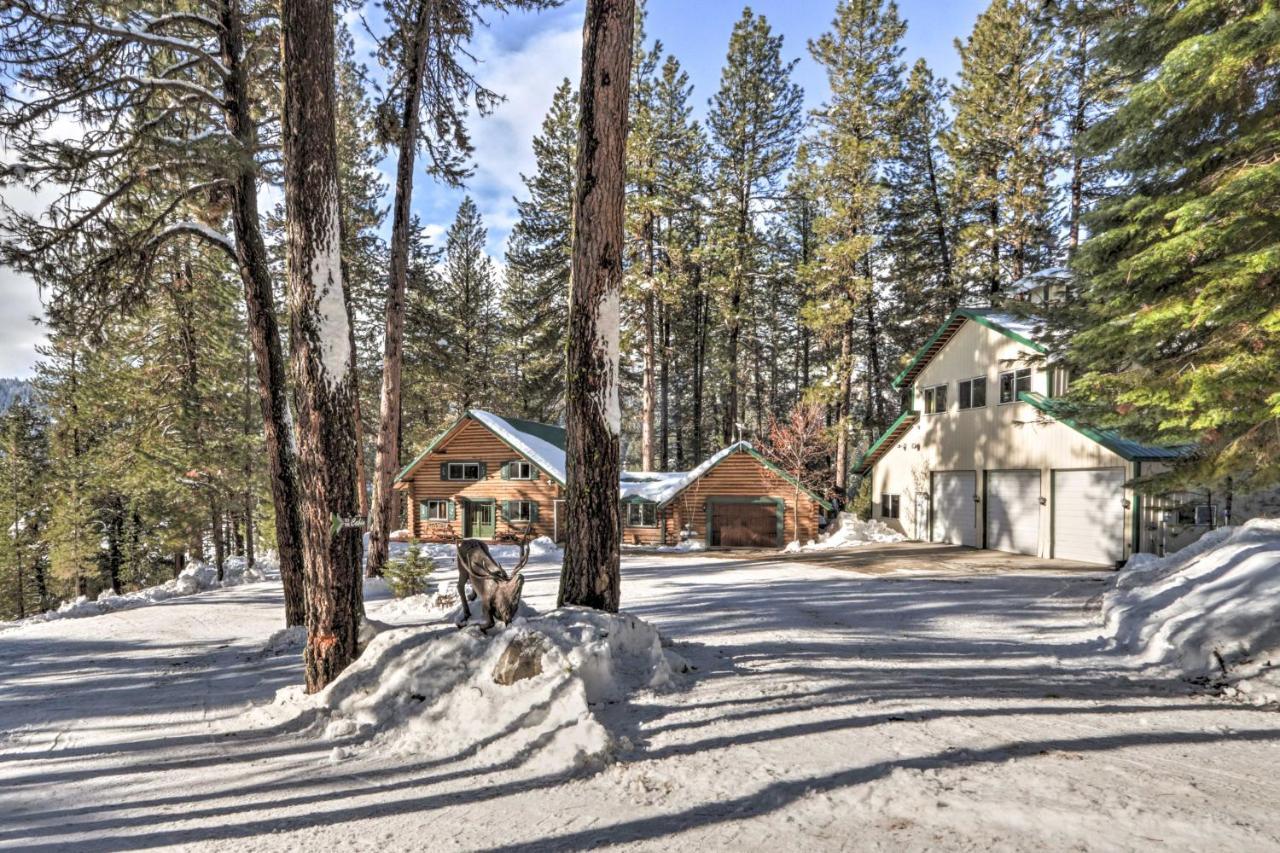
1013, 511
955, 513
1088, 515
744, 525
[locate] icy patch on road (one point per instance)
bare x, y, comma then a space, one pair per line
1206, 612
849, 532
431, 692
196, 577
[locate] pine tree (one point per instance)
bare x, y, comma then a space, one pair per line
590, 576
469, 301
920, 235
1003, 148
24, 511
535, 302
861, 56
754, 123
1179, 340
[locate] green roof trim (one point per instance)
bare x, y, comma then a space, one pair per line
1125, 448
981, 316
869, 458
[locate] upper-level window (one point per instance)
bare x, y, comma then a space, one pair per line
462, 471
1013, 383
520, 470
1061, 378
641, 514
973, 393
935, 399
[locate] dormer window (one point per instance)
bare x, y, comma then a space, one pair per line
935, 399
1013, 383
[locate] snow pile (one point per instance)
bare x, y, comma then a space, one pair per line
850, 531
542, 549
1207, 611
286, 641
417, 608
432, 691
196, 577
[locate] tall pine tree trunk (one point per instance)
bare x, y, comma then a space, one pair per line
842, 409
664, 393
322, 362
387, 456
1077, 130
648, 392
590, 576
264, 330
940, 229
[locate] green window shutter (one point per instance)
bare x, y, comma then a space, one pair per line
506, 510
533, 471
422, 510
482, 470
506, 470
444, 470
452, 504
533, 510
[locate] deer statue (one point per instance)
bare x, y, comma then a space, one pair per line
499, 593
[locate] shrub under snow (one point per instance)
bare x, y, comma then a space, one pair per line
431, 691
1206, 611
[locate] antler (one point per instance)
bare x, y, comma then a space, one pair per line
525, 536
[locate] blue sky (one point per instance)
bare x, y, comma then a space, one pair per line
525, 56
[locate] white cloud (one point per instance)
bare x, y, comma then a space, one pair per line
527, 76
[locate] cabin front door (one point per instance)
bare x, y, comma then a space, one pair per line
481, 521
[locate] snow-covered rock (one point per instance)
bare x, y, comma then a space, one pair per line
435, 691
849, 532
1206, 611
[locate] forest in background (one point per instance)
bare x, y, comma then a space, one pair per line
774, 256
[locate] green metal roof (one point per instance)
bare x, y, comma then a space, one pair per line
882, 444
992, 318
1125, 448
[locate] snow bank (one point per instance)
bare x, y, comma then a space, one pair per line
196, 577
542, 549
1206, 611
849, 532
431, 691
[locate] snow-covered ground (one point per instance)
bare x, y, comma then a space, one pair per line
827, 710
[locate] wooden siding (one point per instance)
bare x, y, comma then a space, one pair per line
642, 535
740, 475
473, 442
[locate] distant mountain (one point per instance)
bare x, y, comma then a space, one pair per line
12, 390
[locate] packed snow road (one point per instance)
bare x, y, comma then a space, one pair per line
829, 710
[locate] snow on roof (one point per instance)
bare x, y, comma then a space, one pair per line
1026, 327
651, 485
661, 491
1040, 278
541, 444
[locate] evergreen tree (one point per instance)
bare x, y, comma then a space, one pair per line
24, 511
754, 123
1178, 338
469, 304
861, 56
1003, 148
920, 233
535, 302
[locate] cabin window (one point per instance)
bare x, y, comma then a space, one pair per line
520, 511
462, 471
520, 470
889, 507
935, 399
1013, 383
973, 393
433, 510
641, 514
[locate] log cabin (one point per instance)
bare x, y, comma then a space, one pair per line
488, 477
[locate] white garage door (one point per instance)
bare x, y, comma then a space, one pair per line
1013, 511
1088, 515
955, 514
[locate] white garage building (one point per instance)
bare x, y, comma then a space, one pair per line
979, 459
